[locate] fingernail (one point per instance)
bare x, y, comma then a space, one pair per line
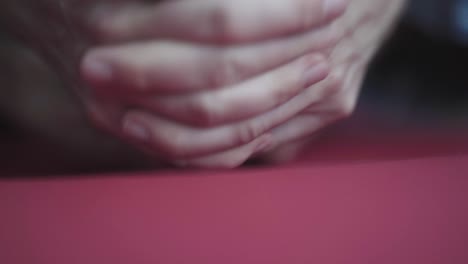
135, 129
315, 73
334, 7
96, 70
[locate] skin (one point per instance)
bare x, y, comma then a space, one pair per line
220, 93
367, 23
212, 106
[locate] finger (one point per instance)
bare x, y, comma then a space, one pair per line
213, 21
305, 124
242, 101
231, 158
167, 67
178, 141
343, 101
336, 106
290, 138
298, 128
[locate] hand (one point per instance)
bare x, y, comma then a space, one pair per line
63, 30
206, 105
367, 22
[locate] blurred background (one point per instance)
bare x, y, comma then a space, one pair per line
414, 102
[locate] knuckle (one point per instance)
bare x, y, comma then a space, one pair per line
336, 87
204, 111
305, 17
331, 87
327, 38
248, 132
227, 70
222, 27
334, 34
336, 81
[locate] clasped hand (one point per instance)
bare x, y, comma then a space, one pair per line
212, 83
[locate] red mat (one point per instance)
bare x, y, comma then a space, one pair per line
391, 200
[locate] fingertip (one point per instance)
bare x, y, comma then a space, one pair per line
96, 70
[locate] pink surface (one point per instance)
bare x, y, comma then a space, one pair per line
413, 211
